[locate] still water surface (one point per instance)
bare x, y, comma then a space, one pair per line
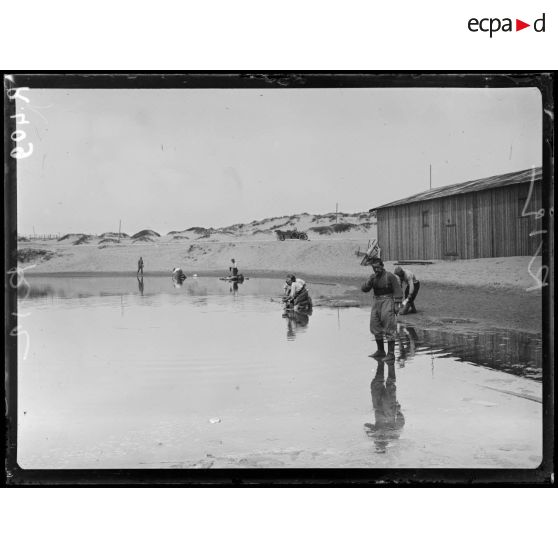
128, 374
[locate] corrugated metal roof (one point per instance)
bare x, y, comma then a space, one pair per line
497, 181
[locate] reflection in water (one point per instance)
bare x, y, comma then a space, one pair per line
238, 280
177, 282
140, 284
124, 360
407, 342
510, 351
297, 320
515, 352
29, 290
196, 289
387, 411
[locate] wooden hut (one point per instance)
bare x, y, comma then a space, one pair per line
485, 218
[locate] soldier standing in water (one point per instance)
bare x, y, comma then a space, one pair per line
140, 266
385, 307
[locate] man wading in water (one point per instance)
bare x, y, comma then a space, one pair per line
297, 295
412, 286
233, 269
385, 307
140, 266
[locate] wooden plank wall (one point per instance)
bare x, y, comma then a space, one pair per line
487, 224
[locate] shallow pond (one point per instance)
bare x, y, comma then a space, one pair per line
121, 373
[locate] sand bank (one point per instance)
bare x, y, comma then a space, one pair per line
489, 292
331, 258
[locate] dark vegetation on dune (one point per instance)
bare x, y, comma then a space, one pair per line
332, 216
266, 226
321, 230
199, 230
335, 228
68, 236
106, 242
31, 254
262, 226
145, 233
285, 224
173, 233
83, 239
113, 235
342, 227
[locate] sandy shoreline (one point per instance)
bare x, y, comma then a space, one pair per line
325, 258
484, 293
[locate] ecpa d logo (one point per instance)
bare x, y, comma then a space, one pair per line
494, 24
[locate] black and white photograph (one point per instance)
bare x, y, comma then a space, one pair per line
300, 275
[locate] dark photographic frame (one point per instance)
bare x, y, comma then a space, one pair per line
15, 475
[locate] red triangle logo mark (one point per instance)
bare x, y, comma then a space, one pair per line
519, 25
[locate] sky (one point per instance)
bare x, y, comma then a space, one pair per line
170, 159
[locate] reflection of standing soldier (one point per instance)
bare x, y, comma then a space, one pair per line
385, 307
389, 419
140, 285
140, 266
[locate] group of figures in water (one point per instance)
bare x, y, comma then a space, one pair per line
297, 309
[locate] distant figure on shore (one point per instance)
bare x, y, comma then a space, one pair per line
297, 295
140, 266
389, 419
412, 286
233, 269
178, 276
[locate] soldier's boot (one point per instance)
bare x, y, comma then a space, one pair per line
381, 351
